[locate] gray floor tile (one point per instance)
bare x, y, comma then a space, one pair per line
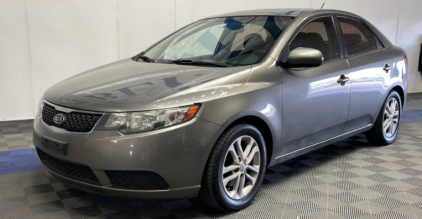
42, 197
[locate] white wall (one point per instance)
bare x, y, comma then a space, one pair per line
45, 41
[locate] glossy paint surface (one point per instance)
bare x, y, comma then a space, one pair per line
318, 103
127, 85
302, 108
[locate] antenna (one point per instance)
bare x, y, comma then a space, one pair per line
322, 5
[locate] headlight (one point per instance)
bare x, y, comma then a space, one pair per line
41, 108
135, 122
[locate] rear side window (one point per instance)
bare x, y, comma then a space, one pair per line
318, 34
359, 39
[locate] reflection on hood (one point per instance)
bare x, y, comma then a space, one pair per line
129, 85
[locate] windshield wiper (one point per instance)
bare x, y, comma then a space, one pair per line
196, 62
146, 58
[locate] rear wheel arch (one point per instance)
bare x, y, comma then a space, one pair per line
377, 134
399, 90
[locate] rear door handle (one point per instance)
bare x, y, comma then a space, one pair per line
343, 79
386, 68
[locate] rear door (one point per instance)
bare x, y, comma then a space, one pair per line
371, 68
315, 104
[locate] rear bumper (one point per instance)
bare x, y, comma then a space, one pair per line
178, 155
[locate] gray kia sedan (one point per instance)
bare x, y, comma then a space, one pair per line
207, 109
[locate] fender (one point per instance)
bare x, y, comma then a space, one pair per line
258, 115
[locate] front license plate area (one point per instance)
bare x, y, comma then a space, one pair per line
60, 147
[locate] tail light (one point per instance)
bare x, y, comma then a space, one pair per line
407, 60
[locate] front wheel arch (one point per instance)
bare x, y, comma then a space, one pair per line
211, 192
263, 127
253, 120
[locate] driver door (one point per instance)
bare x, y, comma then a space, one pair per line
315, 105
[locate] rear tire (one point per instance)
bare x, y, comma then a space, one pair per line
387, 125
232, 179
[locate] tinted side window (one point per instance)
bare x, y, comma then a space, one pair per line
318, 34
358, 37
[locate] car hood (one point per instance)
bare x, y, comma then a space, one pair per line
127, 85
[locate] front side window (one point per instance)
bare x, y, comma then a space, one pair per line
228, 40
358, 38
318, 34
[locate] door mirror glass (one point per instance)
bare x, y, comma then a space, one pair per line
304, 57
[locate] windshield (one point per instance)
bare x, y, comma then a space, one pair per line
227, 41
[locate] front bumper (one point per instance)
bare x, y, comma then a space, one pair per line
177, 154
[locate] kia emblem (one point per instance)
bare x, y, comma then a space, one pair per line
59, 119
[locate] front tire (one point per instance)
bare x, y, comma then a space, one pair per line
235, 169
387, 124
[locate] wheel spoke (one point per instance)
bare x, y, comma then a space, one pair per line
255, 169
396, 121
234, 155
386, 113
389, 111
238, 145
241, 185
236, 186
248, 148
251, 178
391, 127
393, 107
230, 178
230, 168
386, 124
252, 154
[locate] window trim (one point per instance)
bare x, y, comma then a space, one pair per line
378, 43
286, 50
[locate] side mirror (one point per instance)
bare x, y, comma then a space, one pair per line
304, 57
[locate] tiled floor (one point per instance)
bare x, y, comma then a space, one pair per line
350, 179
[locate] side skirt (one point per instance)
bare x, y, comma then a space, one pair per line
321, 144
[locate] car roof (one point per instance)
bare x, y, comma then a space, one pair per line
291, 12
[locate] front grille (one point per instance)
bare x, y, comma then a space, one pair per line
74, 121
143, 180
71, 170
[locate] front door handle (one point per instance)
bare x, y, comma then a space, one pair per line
386, 68
343, 79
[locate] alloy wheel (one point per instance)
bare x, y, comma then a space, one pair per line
241, 167
391, 117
